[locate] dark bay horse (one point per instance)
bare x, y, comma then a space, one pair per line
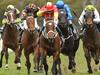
10, 38
69, 46
91, 40
50, 46
29, 40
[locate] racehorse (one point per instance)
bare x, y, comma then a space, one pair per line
69, 46
10, 38
91, 40
50, 46
29, 40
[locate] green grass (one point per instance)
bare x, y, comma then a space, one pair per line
81, 65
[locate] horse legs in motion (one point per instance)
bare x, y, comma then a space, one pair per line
5, 51
6, 56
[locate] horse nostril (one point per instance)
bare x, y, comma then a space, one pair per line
51, 34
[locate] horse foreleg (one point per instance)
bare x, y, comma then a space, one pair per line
55, 62
96, 59
70, 57
97, 56
36, 59
20, 51
2, 54
36, 63
74, 64
45, 65
17, 58
28, 64
41, 57
6, 57
59, 67
88, 59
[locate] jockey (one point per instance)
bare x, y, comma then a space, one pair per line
30, 9
49, 11
96, 15
17, 12
61, 5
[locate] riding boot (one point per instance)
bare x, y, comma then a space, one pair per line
82, 30
75, 35
60, 33
20, 35
98, 26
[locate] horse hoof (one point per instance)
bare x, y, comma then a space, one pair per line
35, 70
73, 70
28, 73
59, 73
96, 62
40, 70
6, 66
95, 69
18, 68
90, 71
0, 66
69, 67
99, 67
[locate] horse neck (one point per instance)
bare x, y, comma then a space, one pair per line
64, 30
91, 31
10, 31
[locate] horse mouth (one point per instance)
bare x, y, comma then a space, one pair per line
89, 21
51, 34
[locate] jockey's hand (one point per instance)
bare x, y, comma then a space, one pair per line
70, 22
56, 22
17, 20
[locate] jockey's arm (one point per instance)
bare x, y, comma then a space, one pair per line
97, 16
69, 18
81, 18
4, 20
41, 11
17, 13
55, 14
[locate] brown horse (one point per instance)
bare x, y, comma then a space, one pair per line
29, 40
50, 45
91, 40
10, 38
69, 46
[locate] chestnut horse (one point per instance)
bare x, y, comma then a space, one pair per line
69, 46
91, 40
10, 38
29, 40
50, 45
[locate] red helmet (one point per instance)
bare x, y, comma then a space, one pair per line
49, 6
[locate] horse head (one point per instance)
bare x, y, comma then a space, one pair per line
62, 18
30, 22
89, 16
11, 16
50, 29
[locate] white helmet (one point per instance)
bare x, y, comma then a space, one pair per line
10, 7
